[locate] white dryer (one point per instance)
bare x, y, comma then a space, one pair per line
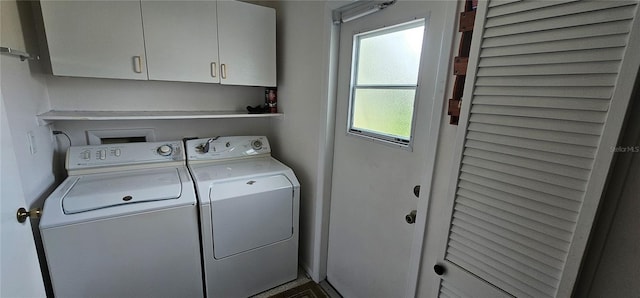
249, 204
124, 224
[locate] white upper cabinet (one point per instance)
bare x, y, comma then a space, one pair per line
181, 38
208, 41
247, 35
101, 39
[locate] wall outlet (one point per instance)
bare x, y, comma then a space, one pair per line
32, 142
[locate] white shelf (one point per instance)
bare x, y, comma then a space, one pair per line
49, 116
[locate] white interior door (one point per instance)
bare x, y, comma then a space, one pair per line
20, 274
548, 86
375, 167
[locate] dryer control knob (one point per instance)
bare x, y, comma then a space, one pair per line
256, 145
165, 150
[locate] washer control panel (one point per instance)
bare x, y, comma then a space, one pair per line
91, 156
218, 148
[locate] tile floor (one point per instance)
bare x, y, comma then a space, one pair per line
302, 279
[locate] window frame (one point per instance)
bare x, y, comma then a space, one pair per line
396, 141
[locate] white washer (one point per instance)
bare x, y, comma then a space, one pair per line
249, 204
124, 224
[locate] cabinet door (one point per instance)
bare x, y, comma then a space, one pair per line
247, 43
181, 38
101, 39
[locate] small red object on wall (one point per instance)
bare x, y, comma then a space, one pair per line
271, 100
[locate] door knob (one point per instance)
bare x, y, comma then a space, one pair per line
439, 269
411, 217
22, 214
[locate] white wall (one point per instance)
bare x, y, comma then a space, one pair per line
165, 130
301, 86
24, 93
88, 94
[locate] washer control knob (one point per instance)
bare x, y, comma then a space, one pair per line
256, 145
165, 150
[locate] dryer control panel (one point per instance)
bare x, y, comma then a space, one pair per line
233, 147
109, 155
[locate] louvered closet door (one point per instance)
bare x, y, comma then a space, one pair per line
548, 86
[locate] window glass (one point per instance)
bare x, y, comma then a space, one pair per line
390, 58
386, 111
384, 81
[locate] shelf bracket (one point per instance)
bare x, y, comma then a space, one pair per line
42, 122
23, 55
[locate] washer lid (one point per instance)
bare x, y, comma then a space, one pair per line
93, 192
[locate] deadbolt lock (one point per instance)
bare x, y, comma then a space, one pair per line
411, 217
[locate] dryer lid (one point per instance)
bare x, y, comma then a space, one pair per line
99, 191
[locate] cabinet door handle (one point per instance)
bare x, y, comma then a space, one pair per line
223, 70
214, 69
137, 64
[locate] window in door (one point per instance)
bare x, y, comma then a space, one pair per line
384, 80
